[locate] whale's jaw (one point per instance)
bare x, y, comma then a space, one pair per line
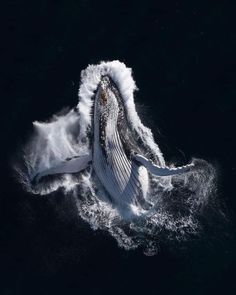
125, 181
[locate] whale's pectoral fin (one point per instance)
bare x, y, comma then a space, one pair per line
160, 171
73, 165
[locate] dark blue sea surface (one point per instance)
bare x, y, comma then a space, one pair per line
183, 56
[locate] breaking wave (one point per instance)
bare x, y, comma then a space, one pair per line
177, 201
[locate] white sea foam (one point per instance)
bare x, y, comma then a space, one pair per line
177, 201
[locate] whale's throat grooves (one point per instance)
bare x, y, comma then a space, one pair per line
113, 146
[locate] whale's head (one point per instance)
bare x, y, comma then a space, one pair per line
107, 91
109, 111
108, 99
110, 118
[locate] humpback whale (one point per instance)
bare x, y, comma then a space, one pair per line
118, 148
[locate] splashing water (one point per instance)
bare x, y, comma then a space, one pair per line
177, 201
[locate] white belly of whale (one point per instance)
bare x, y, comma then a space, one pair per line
125, 181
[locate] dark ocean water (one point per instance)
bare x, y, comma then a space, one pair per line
183, 56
